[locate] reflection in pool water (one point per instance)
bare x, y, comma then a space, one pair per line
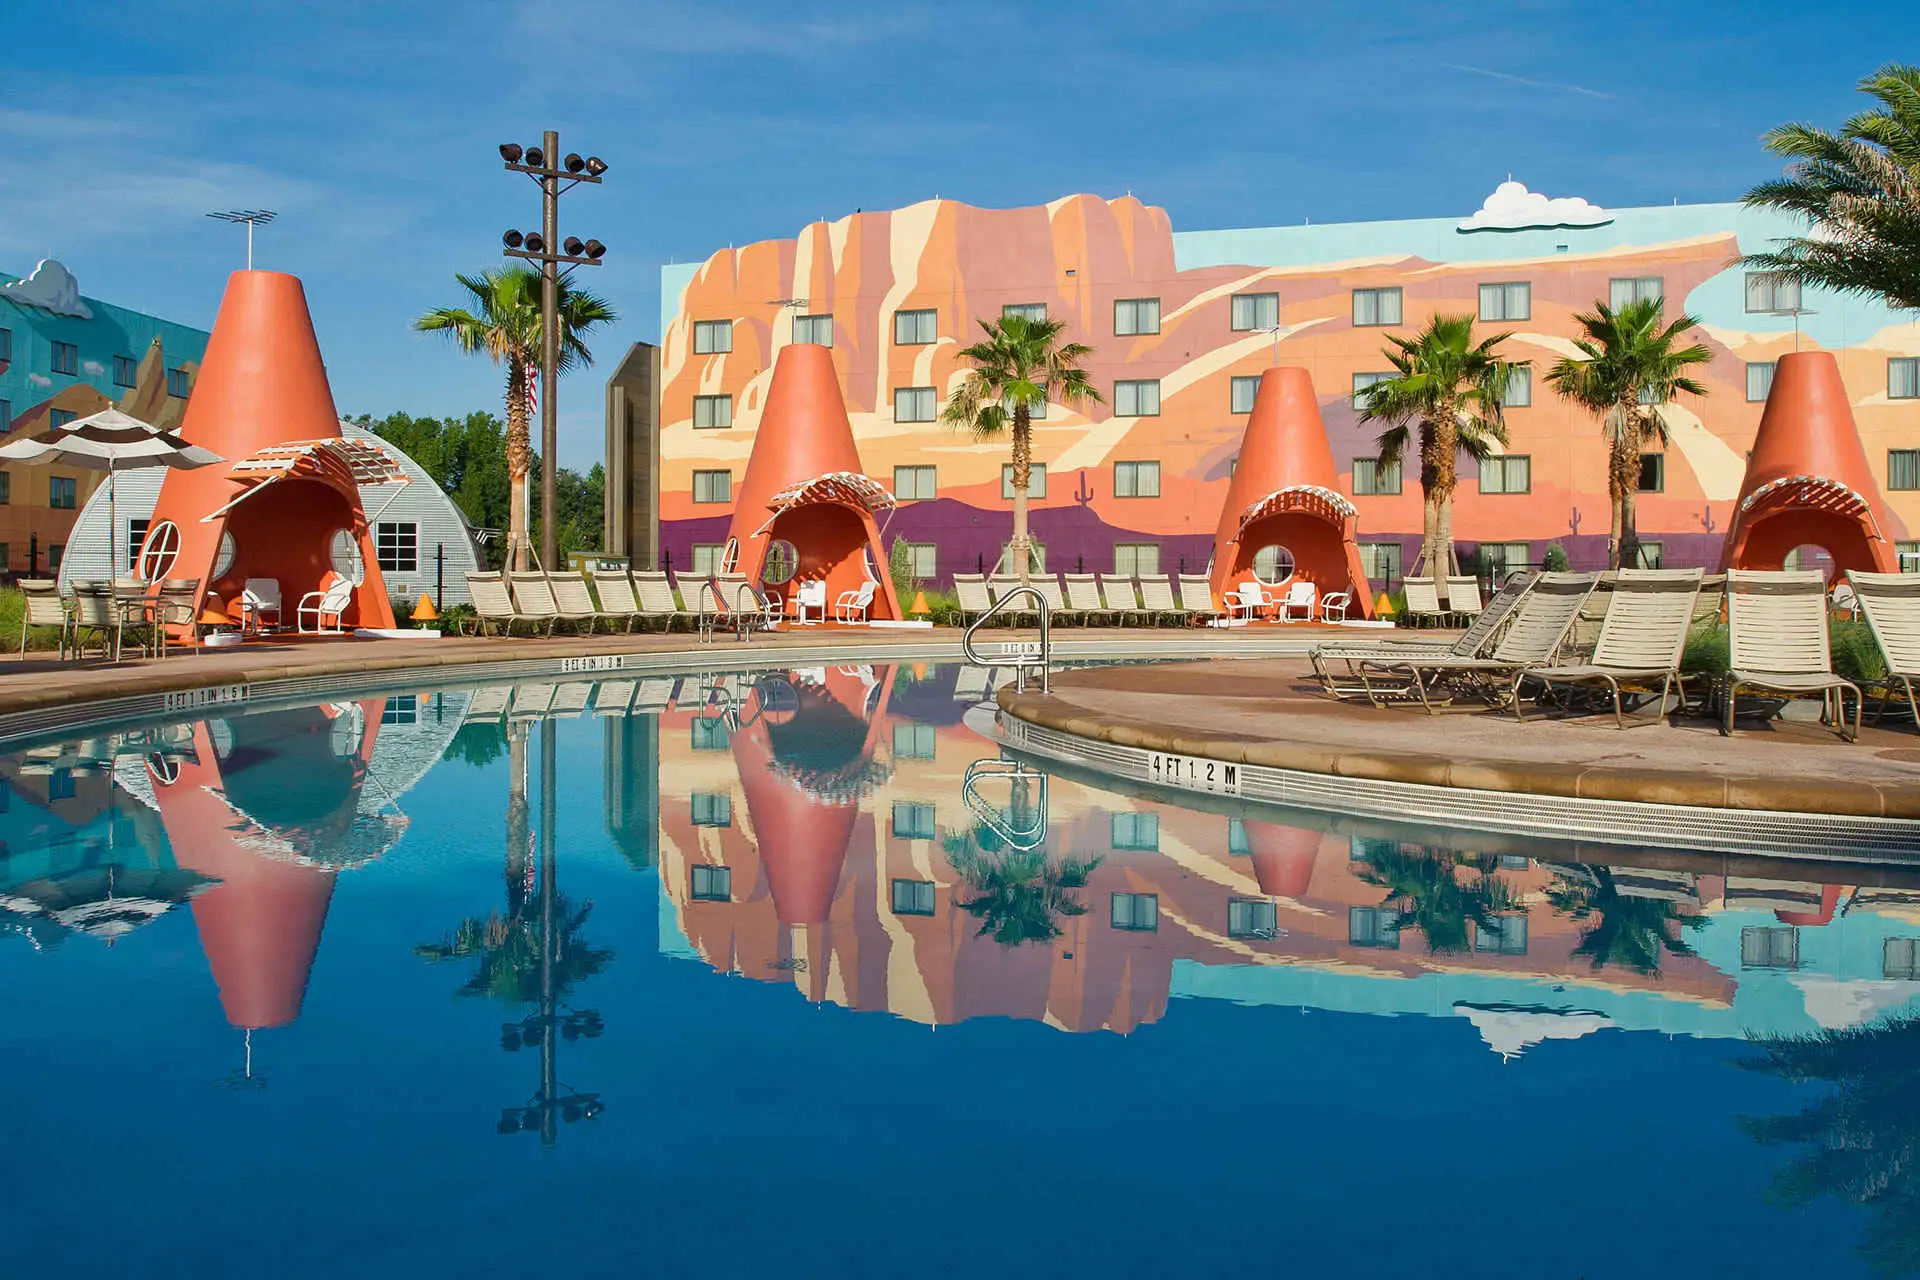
680, 933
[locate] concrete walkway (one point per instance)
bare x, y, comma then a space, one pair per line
1270, 711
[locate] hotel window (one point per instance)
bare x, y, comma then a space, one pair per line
1036, 556
396, 546
1033, 311
1770, 947
912, 740
712, 884
178, 383
1136, 479
6, 416
1376, 306
913, 897
1240, 393
1253, 312
404, 709
1361, 381
1759, 380
706, 560
1135, 912
713, 486
1903, 378
1036, 412
56, 552
913, 820
1237, 843
1903, 468
913, 483
1137, 399
1502, 935
136, 534
712, 809
62, 492
1653, 473
6, 488
1907, 556
1135, 831
1510, 300
1519, 392
1372, 477
60, 417
1771, 291
1134, 559
915, 328
1622, 290
1653, 555
922, 557
914, 404
1036, 480
1380, 561
6, 344
814, 329
60, 785
710, 734
1900, 959
1500, 559
66, 358
1509, 473
1251, 918
125, 371
712, 412
1135, 316
712, 337
1374, 927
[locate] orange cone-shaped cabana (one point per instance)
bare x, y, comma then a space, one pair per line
804, 488
249, 811
1285, 492
1282, 857
289, 490
1808, 480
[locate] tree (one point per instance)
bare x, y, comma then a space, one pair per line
1859, 192
1427, 888
1619, 928
1020, 365
1628, 368
1447, 390
505, 325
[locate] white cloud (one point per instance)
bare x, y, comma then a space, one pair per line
51, 287
1512, 207
39, 380
93, 367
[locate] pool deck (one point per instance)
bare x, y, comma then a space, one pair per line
1269, 711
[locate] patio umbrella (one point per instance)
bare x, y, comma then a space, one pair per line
109, 441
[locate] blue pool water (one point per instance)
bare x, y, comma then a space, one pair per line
781, 1001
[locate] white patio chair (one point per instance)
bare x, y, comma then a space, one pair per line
852, 606
324, 608
811, 597
1300, 599
44, 608
1334, 606
259, 600
1246, 602
1777, 641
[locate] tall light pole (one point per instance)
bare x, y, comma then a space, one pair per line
544, 166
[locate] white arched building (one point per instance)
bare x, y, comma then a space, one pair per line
419, 532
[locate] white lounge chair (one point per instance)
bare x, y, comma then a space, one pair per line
1474, 642
1648, 616
617, 596
533, 599
1122, 600
44, 608
1196, 597
1463, 598
1156, 597
324, 609
613, 698
655, 595
1423, 601
492, 604
573, 601
970, 591
1540, 626
1083, 598
1777, 641
1891, 603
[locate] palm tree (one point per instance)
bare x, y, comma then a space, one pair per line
1019, 895
505, 324
1860, 1143
1020, 366
1427, 889
506, 954
1447, 388
1619, 928
1859, 189
1627, 370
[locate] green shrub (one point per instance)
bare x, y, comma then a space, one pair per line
1706, 652
1855, 655
900, 569
1554, 559
943, 608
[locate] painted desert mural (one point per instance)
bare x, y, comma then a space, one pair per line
1183, 323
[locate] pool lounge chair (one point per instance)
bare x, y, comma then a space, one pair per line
533, 599
1196, 597
1641, 639
1344, 682
613, 698
1000, 584
1423, 607
1891, 603
1049, 589
1083, 598
488, 704
1777, 642
492, 604
572, 698
655, 594
1539, 627
1122, 600
1463, 599
1156, 597
617, 596
44, 608
970, 592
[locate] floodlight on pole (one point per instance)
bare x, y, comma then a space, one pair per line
252, 217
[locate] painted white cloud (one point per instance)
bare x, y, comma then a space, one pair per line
1512, 207
93, 367
39, 380
51, 287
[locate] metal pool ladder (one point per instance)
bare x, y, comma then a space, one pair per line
1025, 838
1018, 654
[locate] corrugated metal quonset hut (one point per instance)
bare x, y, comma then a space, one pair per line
411, 523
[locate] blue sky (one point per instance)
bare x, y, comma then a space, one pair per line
372, 128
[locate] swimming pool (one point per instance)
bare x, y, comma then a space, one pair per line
720, 974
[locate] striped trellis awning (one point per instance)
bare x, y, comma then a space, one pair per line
345, 464
841, 488
1311, 498
1809, 493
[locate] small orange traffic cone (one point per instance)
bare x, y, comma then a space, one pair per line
1383, 607
919, 603
423, 610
